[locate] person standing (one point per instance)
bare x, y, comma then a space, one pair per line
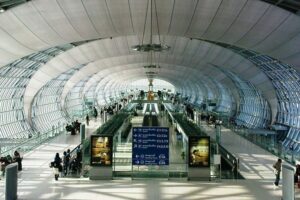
277, 170
87, 119
17, 158
95, 113
66, 162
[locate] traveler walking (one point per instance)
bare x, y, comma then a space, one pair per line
57, 166
277, 170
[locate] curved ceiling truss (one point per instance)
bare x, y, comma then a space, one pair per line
38, 26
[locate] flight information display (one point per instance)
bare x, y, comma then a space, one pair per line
150, 146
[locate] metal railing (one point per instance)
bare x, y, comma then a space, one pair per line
267, 142
31, 143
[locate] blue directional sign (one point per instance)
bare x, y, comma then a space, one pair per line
150, 146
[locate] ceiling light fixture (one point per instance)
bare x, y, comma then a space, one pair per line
147, 45
151, 46
151, 66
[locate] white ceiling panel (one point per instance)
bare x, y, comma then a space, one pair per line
6, 57
287, 30
259, 78
213, 53
250, 14
223, 57
12, 46
76, 55
181, 16
56, 18
293, 60
243, 66
12, 25
119, 11
228, 11
122, 45
164, 12
34, 21
100, 18
234, 60
180, 45
288, 49
203, 17
270, 21
138, 10
78, 18
89, 52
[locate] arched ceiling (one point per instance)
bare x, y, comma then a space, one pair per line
249, 24
114, 56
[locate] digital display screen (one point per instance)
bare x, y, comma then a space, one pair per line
101, 150
199, 151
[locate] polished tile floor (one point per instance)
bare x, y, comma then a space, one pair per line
36, 180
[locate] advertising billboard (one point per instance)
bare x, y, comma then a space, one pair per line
199, 151
150, 146
101, 150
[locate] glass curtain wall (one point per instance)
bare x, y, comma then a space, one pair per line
74, 102
225, 100
253, 111
14, 77
285, 79
286, 82
47, 114
90, 94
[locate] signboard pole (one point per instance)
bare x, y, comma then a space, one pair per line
82, 132
218, 133
288, 188
11, 181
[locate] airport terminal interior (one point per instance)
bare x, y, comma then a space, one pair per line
149, 99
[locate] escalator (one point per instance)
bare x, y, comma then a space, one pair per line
150, 120
150, 117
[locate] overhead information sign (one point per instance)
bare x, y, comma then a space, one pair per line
150, 146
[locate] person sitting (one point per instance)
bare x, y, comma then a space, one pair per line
4, 161
70, 128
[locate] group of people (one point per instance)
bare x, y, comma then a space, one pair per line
74, 127
67, 164
8, 160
